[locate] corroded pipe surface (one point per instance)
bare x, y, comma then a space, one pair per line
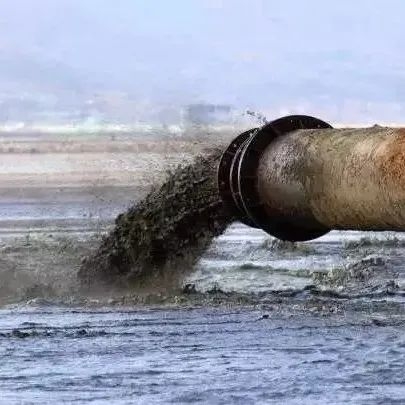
298, 185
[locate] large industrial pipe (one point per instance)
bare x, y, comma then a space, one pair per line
297, 178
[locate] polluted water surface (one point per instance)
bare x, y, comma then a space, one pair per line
257, 321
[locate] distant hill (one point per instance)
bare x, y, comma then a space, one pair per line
260, 54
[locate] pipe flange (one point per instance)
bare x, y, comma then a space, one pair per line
227, 178
247, 172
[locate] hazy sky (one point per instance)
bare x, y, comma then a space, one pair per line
244, 52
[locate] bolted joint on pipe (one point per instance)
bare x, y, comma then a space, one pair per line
297, 178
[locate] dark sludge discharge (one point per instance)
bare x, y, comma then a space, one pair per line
166, 232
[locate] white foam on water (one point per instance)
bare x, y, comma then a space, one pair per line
243, 259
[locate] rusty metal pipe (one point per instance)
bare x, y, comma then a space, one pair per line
297, 178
